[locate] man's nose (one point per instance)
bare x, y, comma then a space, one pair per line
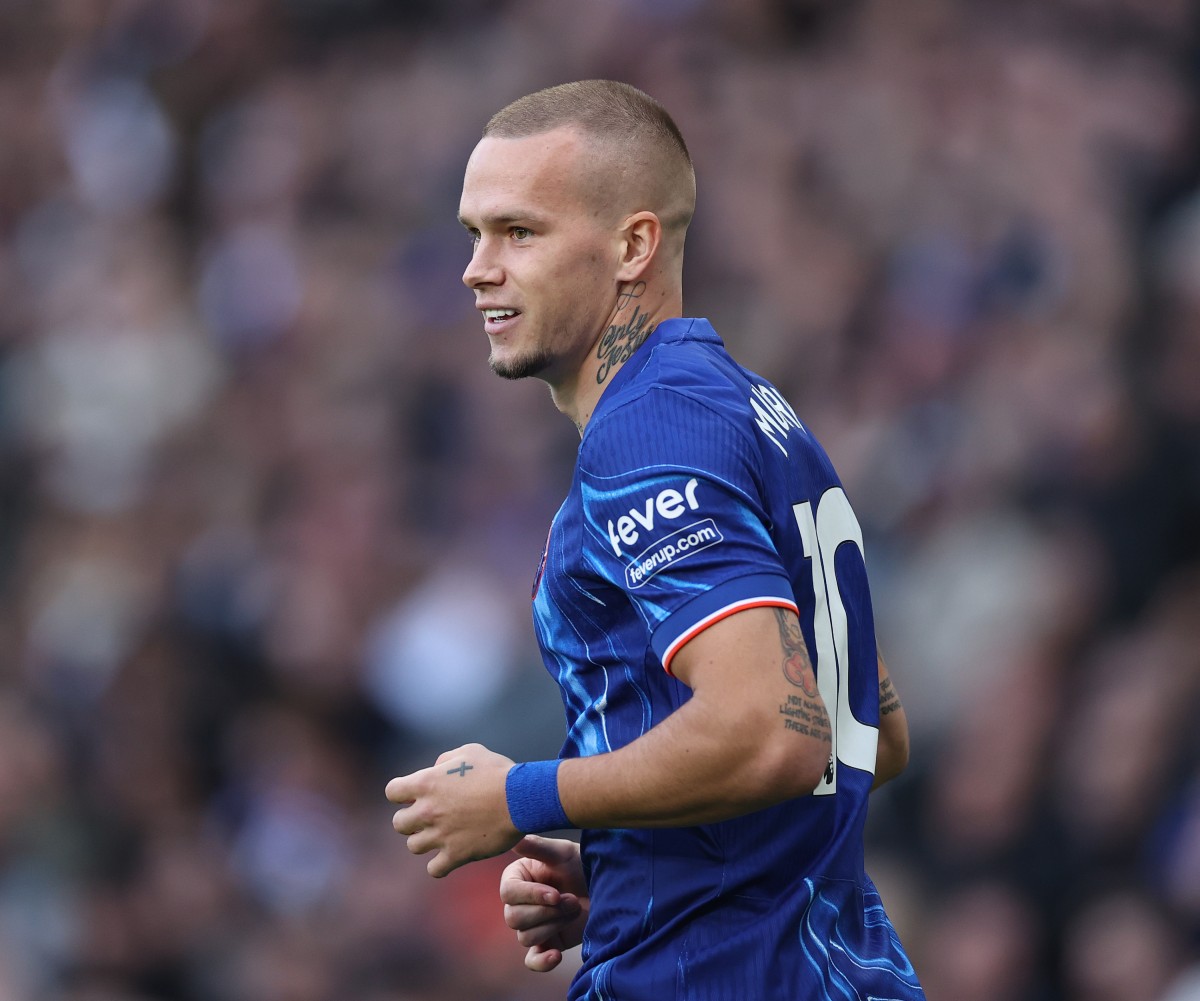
483, 268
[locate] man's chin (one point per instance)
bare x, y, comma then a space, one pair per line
523, 367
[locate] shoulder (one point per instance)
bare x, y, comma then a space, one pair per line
683, 395
662, 423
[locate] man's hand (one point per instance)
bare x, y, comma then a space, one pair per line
457, 808
545, 899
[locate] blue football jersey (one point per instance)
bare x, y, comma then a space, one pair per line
698, 493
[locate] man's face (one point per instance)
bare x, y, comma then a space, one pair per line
544, 253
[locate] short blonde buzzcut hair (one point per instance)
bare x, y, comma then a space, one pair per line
617, 115
603, 108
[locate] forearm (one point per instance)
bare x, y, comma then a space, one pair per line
892, 754
704, 763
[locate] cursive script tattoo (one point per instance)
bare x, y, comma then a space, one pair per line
621, 340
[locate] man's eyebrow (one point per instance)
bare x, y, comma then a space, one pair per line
503, 219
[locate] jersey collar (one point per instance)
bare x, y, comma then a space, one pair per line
673, 331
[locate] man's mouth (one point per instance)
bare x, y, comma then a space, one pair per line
496, 318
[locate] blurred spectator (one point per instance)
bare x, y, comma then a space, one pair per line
1121, 947
984, 943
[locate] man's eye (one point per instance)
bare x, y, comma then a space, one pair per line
473, 236
521, 233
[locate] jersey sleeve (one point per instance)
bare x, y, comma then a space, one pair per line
674, 516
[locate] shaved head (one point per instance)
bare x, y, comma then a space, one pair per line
636, 158
577, 200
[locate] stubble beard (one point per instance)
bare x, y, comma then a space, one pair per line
522, 367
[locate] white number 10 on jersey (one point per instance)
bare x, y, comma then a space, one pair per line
834, 525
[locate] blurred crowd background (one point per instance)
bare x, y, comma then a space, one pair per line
268, 523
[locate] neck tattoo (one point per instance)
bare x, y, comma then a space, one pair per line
622, 339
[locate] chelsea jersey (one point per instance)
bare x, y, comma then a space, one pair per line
699, 493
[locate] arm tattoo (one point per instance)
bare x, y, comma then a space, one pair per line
460, 771
802, 713
797, 667
621, 340
889, 698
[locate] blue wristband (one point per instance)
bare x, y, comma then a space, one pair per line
533, 803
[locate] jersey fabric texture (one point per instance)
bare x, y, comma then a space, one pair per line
698, 493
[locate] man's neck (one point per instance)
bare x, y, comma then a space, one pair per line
637, 312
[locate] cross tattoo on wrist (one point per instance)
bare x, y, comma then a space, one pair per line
461, 770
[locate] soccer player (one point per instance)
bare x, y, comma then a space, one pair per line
702, 604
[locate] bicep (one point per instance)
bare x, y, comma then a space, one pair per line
754, 667
739, 649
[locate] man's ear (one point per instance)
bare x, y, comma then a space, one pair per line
641, 235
